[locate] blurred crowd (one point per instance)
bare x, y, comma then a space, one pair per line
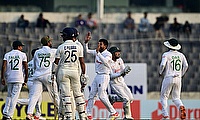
142, 29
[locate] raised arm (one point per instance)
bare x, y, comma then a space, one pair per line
87, 39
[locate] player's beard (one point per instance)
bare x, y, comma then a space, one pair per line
50, 45
117, 57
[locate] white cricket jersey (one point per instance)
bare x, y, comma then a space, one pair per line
43, 60
69, 53
14, 68
79, 43
53, 51
30, 70
174, 62
102, 60
117, 66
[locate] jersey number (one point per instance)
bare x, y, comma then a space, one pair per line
71, 56
45, 61
176, 64
14, 64
30, 72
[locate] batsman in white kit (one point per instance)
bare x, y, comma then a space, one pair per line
174, 65
100, 83
14, 63
69, 57
118, 84
43, 63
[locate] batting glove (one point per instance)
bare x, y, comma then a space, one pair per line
84, 79
51, 78
125, 71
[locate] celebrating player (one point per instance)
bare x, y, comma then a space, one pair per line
100, 83
43, 61
69, 57
175, 65
30, 88
118, 84
14, 63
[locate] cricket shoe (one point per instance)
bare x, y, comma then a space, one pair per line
61, 117
39, 118
128, 118
6, 118
165, 117
114, 116
29, 117
182, 112
89, 117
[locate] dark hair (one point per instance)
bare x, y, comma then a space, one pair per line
33, 51
16, 44
129, 12
105, 42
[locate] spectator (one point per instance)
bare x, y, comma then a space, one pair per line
175, 28
22, 23
129, 22
187, 29
158, 27
91, 23
80, 22
41, 22
144, 24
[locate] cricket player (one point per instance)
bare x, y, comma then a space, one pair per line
83, 84
30, 88
118, 84
174, 65
100, 83
43, 61
69, 57
14, 63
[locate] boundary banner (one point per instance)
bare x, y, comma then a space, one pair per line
141, 109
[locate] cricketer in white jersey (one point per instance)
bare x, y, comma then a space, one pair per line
30, 88
118, 84
43, 61
61, 107
100, 83
12, 74
174, 65
69, 57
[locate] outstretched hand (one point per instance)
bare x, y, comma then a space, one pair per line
88, 37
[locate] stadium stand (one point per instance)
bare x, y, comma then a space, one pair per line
20, 9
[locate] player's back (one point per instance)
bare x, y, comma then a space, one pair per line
30, 69
14, 71
174, 63
69, 53
43, 60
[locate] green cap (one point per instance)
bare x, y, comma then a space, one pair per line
45, 40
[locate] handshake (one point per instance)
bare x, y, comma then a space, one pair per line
125, 71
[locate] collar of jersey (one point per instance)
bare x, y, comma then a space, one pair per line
69, 41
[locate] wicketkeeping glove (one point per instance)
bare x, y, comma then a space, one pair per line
125, 71
84, 79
